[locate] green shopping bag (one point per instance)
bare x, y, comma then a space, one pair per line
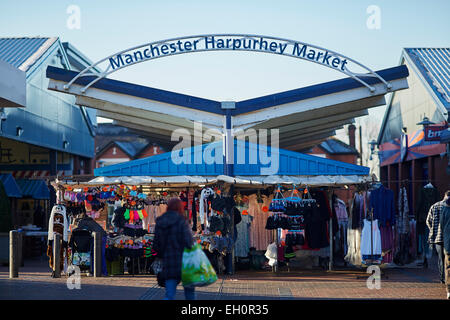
196, 269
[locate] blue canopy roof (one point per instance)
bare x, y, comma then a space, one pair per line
290, 163
10, 185
36, 189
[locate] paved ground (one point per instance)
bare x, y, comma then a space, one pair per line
34, 282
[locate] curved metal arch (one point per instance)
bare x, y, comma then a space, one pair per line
156, 44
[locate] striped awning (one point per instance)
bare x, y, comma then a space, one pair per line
10, 185
36, 189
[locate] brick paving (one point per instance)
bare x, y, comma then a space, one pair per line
34, 282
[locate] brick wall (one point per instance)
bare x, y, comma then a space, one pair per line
150, 151
110, 153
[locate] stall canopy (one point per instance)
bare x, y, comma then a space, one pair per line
247, 162
243, 181
293, 168
11, 188
36, 189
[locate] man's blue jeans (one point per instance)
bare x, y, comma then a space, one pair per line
171, 290
441, 262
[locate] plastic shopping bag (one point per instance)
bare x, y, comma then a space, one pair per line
196, 270
271, 254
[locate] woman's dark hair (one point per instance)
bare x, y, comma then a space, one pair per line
176, 205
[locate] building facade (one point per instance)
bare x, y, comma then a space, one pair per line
116, 144
410, 150
43, 133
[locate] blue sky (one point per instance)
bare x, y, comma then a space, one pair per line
110, 26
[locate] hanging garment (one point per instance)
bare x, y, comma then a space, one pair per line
204, 207
356, 211
195, 205
427, 197
368, 247
58, 223
316, 222
387, 243
354, 247
260, 237
242, 245
381, 200
341, 211
403, 212
413, 238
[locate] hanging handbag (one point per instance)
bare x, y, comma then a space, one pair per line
157, 267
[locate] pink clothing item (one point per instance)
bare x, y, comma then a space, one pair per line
341, 211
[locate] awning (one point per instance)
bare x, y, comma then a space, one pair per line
36, 189
245, 181
445, 136
304, 116
10, 185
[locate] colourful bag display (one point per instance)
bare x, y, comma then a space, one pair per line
196, 269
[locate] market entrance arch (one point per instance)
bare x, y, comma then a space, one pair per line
230, 42
303, 116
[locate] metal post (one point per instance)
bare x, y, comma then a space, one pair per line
57, 255
228, 145
330, 266
231, 191
13, 254
20, 249
97, 254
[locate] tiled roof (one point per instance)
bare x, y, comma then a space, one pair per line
335, 146
434, 65
18, 51
131, 148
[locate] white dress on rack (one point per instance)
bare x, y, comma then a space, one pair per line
366, 247
354, 247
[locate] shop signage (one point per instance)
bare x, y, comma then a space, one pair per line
433, 133
211, 43
230, 42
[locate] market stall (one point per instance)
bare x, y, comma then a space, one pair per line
228, 215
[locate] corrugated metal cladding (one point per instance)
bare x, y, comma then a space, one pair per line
16, 51
434, 64
49, 118
290, 163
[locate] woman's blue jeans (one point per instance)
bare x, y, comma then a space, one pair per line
171, 290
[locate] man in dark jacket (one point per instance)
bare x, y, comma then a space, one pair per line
172, 235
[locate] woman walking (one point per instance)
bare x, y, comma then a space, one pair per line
172, 235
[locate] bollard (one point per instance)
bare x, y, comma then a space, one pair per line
97, 254
13, 254
57, 255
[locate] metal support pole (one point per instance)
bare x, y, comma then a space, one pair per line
330, 266
97, 254
20, 248
228, 145
13, 254
57, 255
232, 233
